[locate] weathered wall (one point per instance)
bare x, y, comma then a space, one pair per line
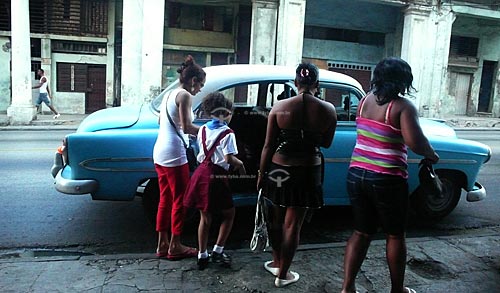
69, 102
5, 73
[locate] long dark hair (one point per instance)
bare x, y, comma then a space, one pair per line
392, 78
190, 69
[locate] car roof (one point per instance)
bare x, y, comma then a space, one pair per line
223, 76
235, 73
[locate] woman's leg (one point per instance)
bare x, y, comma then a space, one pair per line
178, 180
164, 212
294, 218
276, 215
225, 226
204, 230
355, 253
396, 259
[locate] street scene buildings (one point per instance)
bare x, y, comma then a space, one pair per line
106, 53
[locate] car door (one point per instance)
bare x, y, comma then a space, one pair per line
345, 98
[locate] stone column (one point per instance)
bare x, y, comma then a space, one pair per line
263, 31
152, 48
290, 37
132, 52
425, 46
21, 110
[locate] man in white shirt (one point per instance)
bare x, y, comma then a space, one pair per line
44, 96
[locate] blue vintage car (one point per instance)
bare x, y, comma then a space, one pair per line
110, 154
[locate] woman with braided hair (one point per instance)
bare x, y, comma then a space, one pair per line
290, 173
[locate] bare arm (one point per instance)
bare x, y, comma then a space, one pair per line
413, 135
269, 145
330, 132
43, 79
183, 100
236, 163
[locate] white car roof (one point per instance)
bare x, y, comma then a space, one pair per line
222, 76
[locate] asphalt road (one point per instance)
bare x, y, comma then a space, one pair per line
35, 216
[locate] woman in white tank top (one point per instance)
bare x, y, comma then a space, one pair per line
169, 156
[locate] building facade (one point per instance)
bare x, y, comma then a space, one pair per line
105, 53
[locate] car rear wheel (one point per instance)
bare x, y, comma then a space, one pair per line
431, 207
150, 200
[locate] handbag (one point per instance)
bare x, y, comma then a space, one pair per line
260, 238
429, 180
190, 152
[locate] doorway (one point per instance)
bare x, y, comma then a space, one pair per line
486, 87
460, 85
95, 96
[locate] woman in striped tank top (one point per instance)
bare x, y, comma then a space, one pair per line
387, 123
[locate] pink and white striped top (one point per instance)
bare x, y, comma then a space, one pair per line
379, 146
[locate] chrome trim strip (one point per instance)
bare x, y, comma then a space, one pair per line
410, 161
85, 164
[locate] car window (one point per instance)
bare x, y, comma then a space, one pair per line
261, 95
344, 99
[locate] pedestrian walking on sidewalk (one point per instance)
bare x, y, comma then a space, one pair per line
44, 95
291, 167
209, 189
170, 159
387, 123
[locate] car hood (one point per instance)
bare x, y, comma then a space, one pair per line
436, 127
111, 118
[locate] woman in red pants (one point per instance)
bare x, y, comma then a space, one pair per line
169, 156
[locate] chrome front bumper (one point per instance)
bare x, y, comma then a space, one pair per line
477, 193
70, 186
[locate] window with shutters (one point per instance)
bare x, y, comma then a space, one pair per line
463, 46
71, 77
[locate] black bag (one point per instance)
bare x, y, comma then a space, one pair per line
190, 152
191, 157
429, 180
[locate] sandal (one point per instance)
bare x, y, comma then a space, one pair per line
189, 252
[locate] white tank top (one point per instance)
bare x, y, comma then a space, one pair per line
169, 150
43, 88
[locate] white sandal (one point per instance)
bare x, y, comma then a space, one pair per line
274, 271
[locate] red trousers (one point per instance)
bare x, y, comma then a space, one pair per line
173, 182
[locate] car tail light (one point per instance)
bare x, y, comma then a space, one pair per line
63, 150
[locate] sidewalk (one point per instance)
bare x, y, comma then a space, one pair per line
467, 263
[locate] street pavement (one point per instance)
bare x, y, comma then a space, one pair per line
468, 262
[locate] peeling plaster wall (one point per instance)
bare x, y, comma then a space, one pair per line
488, 32
370, 17
5, 85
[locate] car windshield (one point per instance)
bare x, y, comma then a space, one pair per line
156, 103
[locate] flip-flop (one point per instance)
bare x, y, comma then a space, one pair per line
190, 252
410, 290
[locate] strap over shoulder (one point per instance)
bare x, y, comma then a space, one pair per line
210, 153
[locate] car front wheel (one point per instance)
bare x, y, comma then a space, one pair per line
432, 207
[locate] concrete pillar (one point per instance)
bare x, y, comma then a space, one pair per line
263, 31
21, 110
110, 53
46, 65
5, 86
425, 46
132, 51
152, 48
290, 37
